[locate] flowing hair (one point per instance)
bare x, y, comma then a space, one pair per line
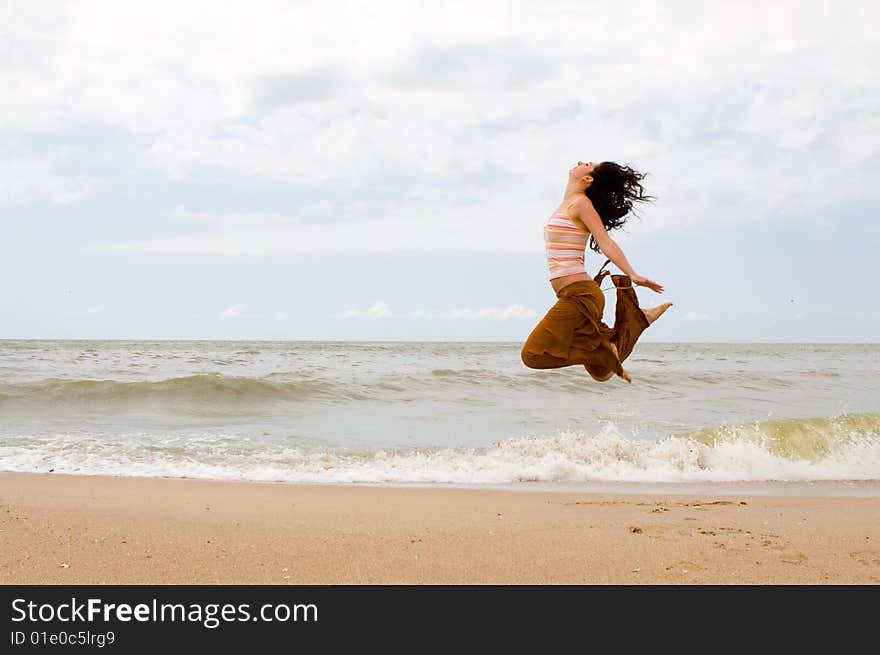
612, 192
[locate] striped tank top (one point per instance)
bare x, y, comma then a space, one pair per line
565, 244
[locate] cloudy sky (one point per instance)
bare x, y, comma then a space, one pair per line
277, 170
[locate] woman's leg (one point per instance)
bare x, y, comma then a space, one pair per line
603, 368
549, 342
572, 332
629, 320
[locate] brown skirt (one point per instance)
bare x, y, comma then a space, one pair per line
572, 332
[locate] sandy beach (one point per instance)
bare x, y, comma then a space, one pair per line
58, 529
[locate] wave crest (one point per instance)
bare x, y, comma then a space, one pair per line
843, 448
209, 392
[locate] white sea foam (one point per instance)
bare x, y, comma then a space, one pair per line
846, 448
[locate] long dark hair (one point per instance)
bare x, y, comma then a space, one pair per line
612, 192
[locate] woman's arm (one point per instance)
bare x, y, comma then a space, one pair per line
583, 210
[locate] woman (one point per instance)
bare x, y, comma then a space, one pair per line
596, 199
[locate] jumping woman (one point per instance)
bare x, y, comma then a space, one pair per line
596, 199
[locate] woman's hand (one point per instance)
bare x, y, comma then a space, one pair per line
645, 282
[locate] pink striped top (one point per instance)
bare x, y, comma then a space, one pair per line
565, 244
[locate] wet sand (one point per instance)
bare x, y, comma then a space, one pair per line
58, 529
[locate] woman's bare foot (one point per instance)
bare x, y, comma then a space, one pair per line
654, 313
610, 375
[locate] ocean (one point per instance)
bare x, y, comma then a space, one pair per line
439, 413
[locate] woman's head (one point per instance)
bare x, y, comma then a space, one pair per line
582, 170
612, 190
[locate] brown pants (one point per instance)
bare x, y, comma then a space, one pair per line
572, 332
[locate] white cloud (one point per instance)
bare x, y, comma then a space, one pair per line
234, 310
695, 316
92, 310
739, 110
376, 311
421, 222
29, 177
512, 312
381, 310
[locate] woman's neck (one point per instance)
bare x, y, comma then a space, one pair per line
573, 190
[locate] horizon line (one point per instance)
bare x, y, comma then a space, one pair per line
452, 341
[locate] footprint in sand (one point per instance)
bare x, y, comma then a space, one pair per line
866, 557
793, 557
684, 567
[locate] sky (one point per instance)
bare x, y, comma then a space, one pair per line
383, 171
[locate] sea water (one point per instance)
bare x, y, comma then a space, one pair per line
439, 413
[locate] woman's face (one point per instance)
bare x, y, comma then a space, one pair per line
582, 169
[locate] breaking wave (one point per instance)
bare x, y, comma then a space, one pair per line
842, 448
